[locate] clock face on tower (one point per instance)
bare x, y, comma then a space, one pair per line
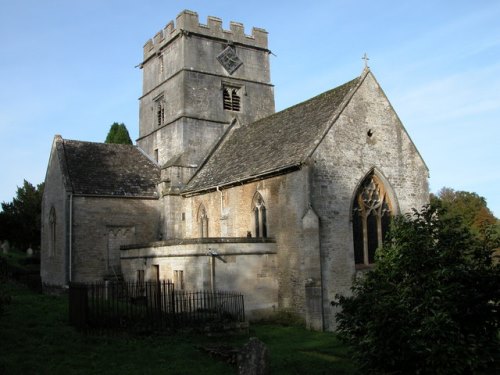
229, 59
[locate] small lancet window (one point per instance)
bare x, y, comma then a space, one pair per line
52, 231
231, 99
160, 111
371, 218
259, 216
202, 222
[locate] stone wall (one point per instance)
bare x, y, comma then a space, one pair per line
180, 65
244, 266
54, 254
101, 226
290, 221
344, 157
293, 261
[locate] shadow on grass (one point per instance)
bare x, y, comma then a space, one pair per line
36, 338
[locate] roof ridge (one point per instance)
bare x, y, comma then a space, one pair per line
100, 143
315, 97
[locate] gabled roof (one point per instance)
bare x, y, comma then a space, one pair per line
102, 169
273, 145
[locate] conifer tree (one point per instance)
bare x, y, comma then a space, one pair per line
20, 219
118, 133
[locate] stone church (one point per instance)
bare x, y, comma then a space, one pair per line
223, 192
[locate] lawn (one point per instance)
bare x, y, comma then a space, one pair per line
35, 338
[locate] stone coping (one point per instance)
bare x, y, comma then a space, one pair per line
196, 241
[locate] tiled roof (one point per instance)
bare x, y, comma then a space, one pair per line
274, 144
107, 169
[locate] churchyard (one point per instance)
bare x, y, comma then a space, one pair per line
36, 337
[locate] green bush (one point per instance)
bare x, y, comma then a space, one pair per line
430, 305
5, 297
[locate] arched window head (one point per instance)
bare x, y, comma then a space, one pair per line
259, 216
202, 221
52, 231
371, 217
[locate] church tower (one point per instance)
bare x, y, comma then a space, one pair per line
197, 80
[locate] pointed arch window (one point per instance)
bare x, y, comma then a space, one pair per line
371, 217
52, 231
259, 216
202, 221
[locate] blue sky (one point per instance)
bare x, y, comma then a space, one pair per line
68, 67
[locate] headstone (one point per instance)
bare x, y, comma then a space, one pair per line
253, 358
29, 251
5, 247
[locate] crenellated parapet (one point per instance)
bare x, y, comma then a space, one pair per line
187, 22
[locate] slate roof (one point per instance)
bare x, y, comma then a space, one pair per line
107, 169
273, 145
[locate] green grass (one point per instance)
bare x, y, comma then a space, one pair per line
294, 350
35, 338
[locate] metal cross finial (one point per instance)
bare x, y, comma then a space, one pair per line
365, 57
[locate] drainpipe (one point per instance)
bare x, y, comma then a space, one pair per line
220, 191
70, 236
211, 254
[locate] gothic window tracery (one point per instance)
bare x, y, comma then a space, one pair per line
260, 216
202, 222
371, 218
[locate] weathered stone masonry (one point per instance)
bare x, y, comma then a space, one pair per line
221, 192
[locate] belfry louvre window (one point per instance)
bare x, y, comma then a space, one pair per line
160, 111
231, 98
371, 218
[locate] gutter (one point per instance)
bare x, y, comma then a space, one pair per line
245, 180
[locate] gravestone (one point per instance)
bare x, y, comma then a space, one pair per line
5, 247
253, 358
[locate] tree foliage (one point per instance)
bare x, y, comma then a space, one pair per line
118, 133
430, 305
20, 220
470, 207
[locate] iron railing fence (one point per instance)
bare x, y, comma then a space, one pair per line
149, 306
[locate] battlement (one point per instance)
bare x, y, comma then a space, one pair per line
187, 22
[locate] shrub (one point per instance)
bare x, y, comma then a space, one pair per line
430, 305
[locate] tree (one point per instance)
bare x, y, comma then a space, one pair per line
470, 207
20, 220
430, 305
118, 133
